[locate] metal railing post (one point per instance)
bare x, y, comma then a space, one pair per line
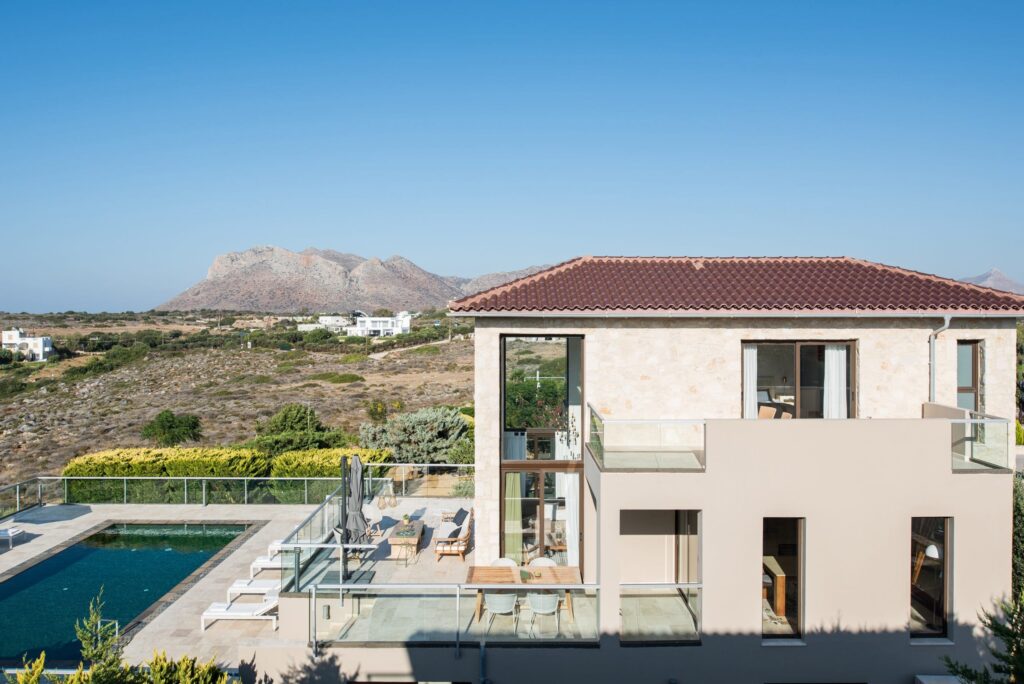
458, 628
65, 490
17, 497
405, 477
245, 487
312, 619
305, 491
204, 491
125, 480
185, 479
39, 492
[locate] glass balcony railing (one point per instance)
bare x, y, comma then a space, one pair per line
452, 613
660, 612
626, 445
980, 443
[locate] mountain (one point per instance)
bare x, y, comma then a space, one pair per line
278, 280
996, 279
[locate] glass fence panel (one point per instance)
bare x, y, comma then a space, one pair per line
524, 614
225, 491
648, 445
154, 491
9, 497
389, 615
660, 613
52, 490
95, 491
423, 481
980, 444
321, 489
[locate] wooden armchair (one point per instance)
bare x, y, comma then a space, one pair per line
456, 546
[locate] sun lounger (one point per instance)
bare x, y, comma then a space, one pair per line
240, 611
9, 534
257, 587
266, 563
274, 548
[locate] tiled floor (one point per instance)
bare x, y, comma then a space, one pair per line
658, 615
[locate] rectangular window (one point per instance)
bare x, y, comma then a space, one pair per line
968, 374
782, 578
929, 576
541, 516
798, 380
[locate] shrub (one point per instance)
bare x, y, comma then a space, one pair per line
1020, 434
378, 409
462, 452
170, 462
6, 357
429, 350
117, 357
292, 441
354, 358
424, 436
464, 488
170, 429
318, 335
291, 418
321, 462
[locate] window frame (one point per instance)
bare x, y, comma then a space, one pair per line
947, 582
801, 535
797, 344
975, 389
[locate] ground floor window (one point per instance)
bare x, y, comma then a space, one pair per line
541, 514
782, 581
929, 576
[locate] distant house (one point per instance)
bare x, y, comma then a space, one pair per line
380, 326
32, 348
334, 324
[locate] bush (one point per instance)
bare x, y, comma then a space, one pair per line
6, 357
424, 436
462, 452
318, 335
169, 429
354, 358
1020, 434
170, 462
378, 409
291, 418
117, 357
321, 462
273, 445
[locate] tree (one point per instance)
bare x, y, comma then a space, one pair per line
1006, 624
423, 436
291, 418
101, 647
1017, 563
383, 313
170, 429
6, 357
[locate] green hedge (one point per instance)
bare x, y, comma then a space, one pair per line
210, 462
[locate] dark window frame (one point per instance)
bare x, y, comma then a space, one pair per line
975, 388
797, 344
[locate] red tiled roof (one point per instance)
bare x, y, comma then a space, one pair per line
826, 285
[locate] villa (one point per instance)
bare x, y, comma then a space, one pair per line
31, 347
686, 470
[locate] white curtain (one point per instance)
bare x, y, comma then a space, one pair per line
567, 486
835, 381
515, 446
750, 381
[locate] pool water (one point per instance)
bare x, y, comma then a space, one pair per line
135, 564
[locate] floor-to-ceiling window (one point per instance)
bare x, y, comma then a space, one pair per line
799, 380
782, 581
541, 467
929, 576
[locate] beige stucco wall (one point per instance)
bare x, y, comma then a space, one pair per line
691, 368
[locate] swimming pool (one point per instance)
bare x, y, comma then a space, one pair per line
136, 564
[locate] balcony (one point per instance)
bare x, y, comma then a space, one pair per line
978, 442
646, 445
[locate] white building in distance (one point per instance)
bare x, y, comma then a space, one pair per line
32, 348
380, 326
334, 324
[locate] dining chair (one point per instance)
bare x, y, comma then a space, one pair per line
543, 562
501, 604
504, 563
543, 603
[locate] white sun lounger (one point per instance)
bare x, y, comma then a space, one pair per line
258, 587
274, 548
240, 611
266, 563
9, 534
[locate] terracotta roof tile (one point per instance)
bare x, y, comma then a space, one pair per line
825, 285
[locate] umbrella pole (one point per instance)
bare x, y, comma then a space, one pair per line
344, 517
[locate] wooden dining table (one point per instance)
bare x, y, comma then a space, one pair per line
559, 574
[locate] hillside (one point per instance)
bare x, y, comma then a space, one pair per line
278, 280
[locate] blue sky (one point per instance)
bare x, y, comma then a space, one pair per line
139, 140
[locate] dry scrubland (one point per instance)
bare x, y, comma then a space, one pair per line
229, 390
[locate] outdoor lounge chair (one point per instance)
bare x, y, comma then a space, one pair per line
454, 546
258, 587
9, 534
266, 563
240, 611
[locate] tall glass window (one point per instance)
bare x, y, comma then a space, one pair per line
968, 371
782, 578
541, 448
929, 576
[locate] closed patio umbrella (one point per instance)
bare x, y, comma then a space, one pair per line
355, 521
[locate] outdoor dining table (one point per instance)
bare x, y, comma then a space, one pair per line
559, 574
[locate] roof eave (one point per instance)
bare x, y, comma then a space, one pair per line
729, 313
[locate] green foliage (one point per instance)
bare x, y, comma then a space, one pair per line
273, 445
528, 405
170, 429
1017, 563
101, 648
32, 672
385, 313
464, 488
6, 357
1006, 623
354, 358
318, 335
467, 411
338, 378
1020, 434
117, 357
379, 409
429, 350
10, 387
423, 436
171, 462
321, 462
291, 418
462, 452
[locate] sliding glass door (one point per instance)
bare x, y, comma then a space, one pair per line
798, 380
541, 516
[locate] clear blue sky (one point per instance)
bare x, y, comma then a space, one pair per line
138, 140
